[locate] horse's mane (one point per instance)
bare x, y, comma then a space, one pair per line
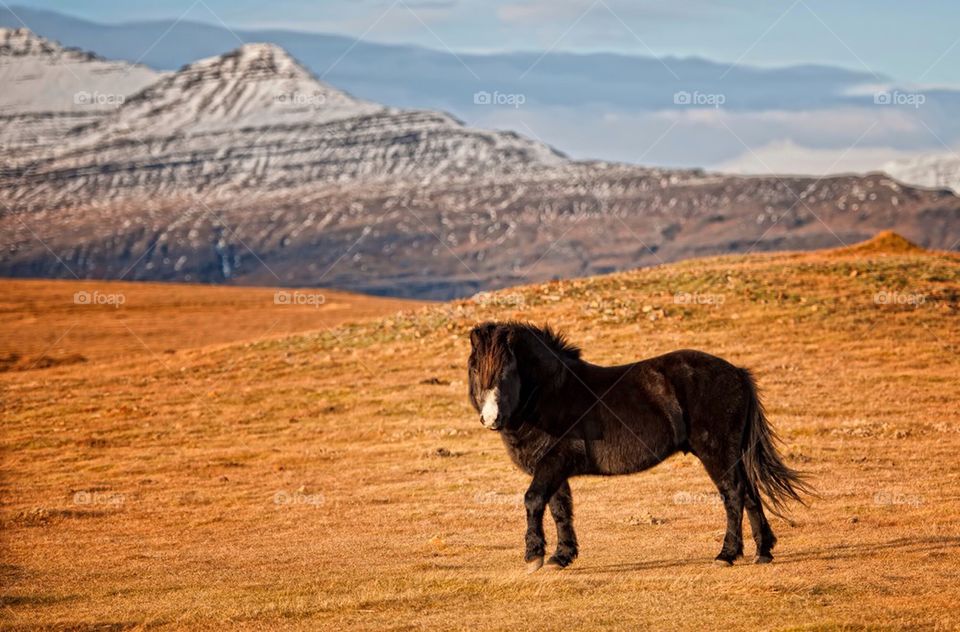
554, 339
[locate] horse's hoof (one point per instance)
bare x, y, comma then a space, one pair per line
763, 559
723, 562
553, 565
534, 565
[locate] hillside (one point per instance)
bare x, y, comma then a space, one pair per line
452, 239
340, 479
52, 323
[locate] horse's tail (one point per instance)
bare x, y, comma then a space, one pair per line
763, 464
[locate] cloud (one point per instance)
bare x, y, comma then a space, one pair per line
826, 127
564, 14
393, 21
431, 4
806, 141
788, 157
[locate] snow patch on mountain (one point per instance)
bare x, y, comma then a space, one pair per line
49, 89
257, 85
940, 171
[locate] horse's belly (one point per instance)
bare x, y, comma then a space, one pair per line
627, 452
614, 462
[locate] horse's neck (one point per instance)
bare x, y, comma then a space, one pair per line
546, 374
546, 366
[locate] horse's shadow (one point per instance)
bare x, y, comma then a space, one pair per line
919, 544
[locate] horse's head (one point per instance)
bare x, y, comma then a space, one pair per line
493, 375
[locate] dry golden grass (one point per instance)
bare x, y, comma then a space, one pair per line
328, 481
51, 323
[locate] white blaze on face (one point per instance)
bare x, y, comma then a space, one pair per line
489, 411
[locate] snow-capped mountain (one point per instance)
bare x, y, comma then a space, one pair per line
245, 168
940, 171
255, 86
254, 118
49, 89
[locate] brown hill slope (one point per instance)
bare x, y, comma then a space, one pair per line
339, 479
446, 239
886, 242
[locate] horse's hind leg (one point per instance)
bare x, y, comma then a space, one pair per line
762, 533
561, 508
730, 483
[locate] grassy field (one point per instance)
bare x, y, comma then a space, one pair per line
340, 480
54, 323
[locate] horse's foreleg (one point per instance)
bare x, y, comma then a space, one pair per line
561, 508
547, 479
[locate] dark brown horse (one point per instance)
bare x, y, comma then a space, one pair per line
560, 416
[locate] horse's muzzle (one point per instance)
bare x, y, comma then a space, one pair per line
493, 425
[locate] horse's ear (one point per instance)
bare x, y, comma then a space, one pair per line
513, 340
475, 337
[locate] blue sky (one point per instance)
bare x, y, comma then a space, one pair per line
912, 42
